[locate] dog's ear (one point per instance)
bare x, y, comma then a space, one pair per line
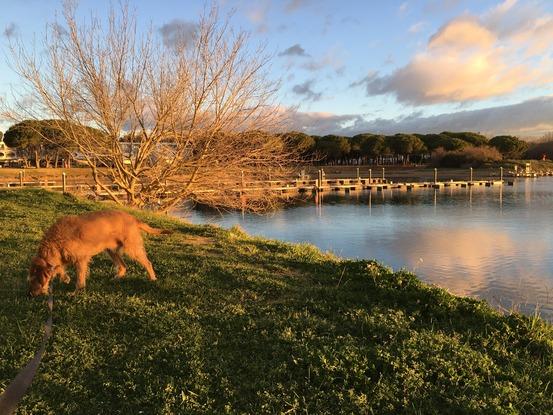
39, 262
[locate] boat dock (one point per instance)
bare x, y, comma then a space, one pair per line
355, 184
303, 184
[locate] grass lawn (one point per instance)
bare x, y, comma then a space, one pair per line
237, 324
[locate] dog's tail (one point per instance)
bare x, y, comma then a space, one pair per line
154, 231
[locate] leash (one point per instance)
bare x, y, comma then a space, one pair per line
18, 387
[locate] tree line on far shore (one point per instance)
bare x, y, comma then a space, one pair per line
447, 149
41, 143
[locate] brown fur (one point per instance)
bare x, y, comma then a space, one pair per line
74, 240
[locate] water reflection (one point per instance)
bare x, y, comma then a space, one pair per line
494, 243
483, 262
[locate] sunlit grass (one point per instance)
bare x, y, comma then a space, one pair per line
237, 324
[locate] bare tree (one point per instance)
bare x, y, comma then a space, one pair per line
192, 121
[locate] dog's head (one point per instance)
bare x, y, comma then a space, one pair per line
40, 275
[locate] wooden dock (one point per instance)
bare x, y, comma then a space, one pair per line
293, 186
356, 184
347, 185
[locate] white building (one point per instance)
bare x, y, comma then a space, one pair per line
7, 154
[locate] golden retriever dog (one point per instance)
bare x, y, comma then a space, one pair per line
74, 240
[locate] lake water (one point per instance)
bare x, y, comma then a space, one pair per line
494, 243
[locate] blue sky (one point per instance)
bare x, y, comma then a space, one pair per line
381, 66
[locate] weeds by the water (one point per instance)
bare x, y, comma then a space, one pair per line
237, 324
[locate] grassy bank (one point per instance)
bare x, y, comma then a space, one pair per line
237, 324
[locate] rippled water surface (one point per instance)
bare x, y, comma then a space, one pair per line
494, 243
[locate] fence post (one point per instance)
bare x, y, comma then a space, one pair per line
21, 178
320, 179
63, 182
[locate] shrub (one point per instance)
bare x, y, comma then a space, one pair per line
466, 157
538, 150
510, 147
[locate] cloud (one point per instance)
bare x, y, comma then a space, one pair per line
306, 91
257, 14
372, 75
475, 58
293, 5
504, 7
403, 7
10, 30
178, 33
461, 34
528, 27
327, 25
295, 50
416, 27
331, 59
509, 17
319, 123
528, 118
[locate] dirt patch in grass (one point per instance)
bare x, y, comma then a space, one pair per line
196, 240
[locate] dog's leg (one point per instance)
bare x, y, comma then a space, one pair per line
82, 270
62, 275
139, 255
118, 261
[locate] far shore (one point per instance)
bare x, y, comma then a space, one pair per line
396, 173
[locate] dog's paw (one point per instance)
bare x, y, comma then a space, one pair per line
120, 273
77, 292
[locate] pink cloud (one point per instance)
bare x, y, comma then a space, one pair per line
475, 58
462, 33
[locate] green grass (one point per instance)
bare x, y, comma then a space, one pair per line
237, 324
